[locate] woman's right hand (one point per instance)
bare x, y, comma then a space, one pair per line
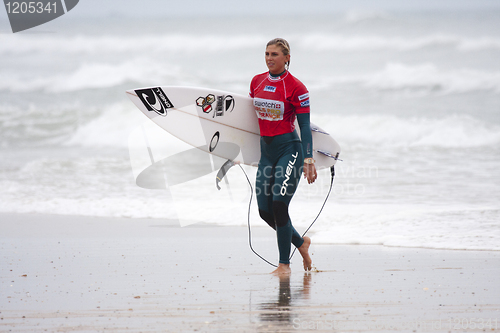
310, 172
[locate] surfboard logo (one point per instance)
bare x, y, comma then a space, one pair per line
155, 99
225, 103
205, 103
214, 141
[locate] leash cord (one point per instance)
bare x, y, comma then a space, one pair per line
332, 172
248, 220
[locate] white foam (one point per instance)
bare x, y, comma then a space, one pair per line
391, 131
357, 16
93, 75
131, 44
458, 228
415, 80
162, 43
110, 129
104, 75
337, 42
429, 78
421, 80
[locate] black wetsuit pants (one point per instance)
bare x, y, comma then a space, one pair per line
278, 176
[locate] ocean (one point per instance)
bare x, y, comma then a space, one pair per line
412, 97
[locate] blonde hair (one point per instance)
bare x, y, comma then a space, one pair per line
283, 44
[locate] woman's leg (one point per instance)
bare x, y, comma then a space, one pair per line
276, 184
286, 179
263, 185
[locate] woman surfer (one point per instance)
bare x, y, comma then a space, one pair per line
279, 99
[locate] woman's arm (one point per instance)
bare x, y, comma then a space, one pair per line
304, 121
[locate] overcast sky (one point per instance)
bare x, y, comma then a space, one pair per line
255, 7
175, 8
210, 9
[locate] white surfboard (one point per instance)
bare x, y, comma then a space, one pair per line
218, 122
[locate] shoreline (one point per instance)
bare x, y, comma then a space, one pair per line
85, 274
173, 223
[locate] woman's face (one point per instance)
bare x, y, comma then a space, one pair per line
275, 59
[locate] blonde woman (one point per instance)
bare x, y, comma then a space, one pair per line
279, 99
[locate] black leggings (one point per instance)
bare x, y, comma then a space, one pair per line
278, 175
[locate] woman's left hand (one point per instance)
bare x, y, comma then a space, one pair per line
310, 172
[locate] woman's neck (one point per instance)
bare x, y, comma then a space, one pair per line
277, 75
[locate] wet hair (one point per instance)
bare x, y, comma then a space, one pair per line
283, 44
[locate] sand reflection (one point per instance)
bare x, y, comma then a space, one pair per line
280, 312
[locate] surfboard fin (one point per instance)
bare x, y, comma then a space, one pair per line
222, 172
315, 129
327, 154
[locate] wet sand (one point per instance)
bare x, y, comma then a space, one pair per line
81, 274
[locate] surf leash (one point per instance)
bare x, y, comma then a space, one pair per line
332, 173
220, 175
223, 172
248, 219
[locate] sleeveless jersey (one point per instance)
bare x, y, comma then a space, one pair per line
277, 100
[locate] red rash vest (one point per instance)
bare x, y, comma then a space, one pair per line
277, 100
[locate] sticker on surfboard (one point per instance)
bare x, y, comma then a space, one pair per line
225, 103
155, 99
214, 141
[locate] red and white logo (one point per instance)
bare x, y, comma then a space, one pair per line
205, 103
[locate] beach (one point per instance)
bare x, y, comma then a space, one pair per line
90, 274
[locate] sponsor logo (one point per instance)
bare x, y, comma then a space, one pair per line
288, 172
267, 109
270, 88
214, 141
229, 103
205, 103
265, 103
304, 104
225, 103
155, 99
303, 97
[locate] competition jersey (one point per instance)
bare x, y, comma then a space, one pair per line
277, 100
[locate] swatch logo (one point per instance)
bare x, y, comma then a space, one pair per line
28, 14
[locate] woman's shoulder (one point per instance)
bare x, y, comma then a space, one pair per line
261, 75
294, 79
296, 84
259, 78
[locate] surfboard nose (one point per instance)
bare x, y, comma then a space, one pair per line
130, 93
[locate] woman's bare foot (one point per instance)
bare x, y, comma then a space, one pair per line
283, 269
304, 252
